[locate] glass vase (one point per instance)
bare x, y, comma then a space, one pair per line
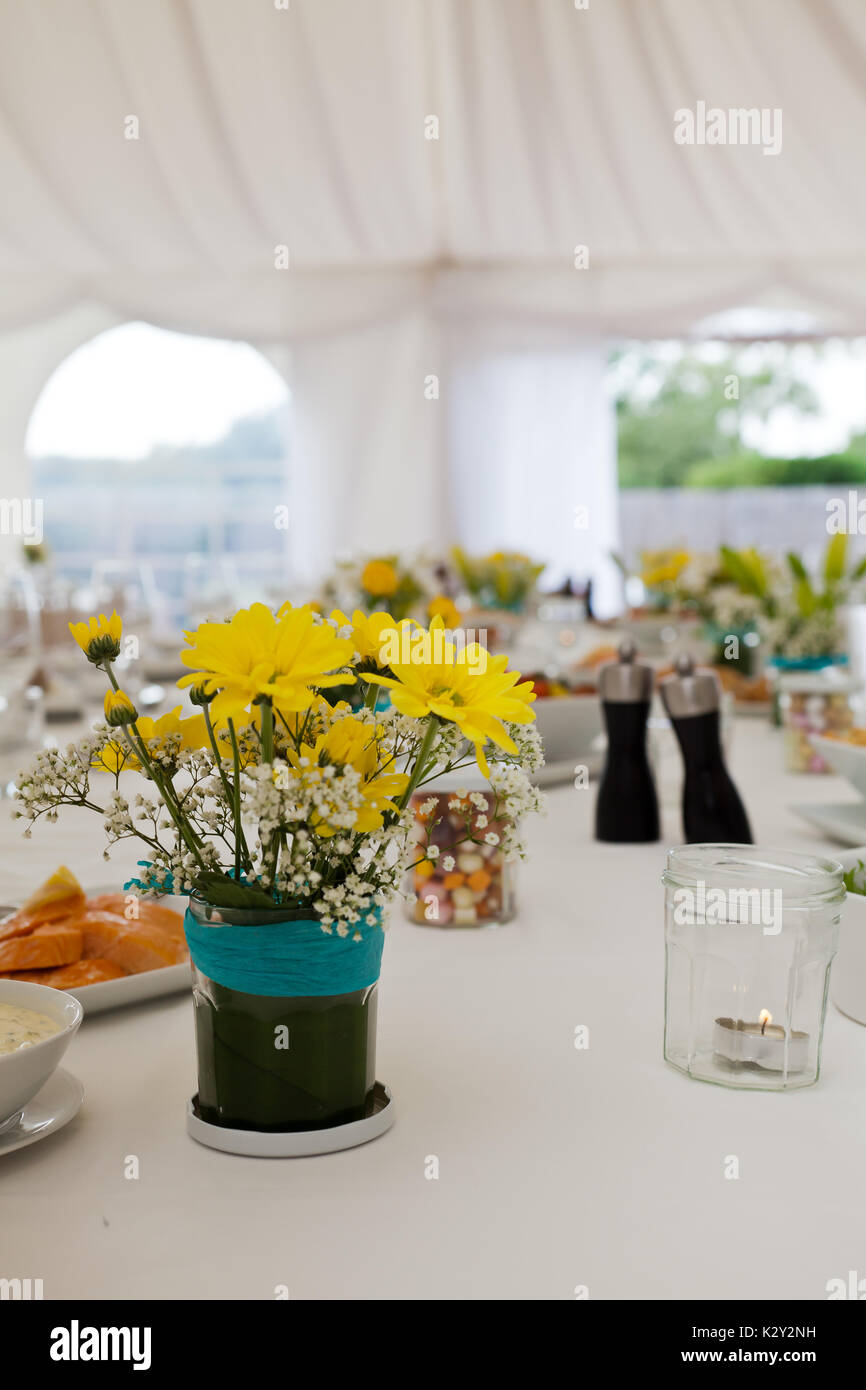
750, 936
278, 1063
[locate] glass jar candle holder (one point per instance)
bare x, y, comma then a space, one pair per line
750, 935
477, 889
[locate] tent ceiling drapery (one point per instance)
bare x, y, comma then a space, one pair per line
305, 127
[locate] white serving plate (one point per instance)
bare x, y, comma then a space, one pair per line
845, 822
134, 989
847, 759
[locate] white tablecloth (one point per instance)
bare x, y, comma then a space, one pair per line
558, 1168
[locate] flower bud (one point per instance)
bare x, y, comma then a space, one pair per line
99, 638
199, 695
119, 709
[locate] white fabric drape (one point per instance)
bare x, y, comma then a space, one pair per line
281, 188
367, 472
260, 127
532, 440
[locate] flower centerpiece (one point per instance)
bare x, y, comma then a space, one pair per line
381, 583
504, 579
286, 818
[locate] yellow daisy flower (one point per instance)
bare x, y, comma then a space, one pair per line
351, 743
99, 637
443, 607
117, 756
470, 688
370, 632
256, 654
379, 578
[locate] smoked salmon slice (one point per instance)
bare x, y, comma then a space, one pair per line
60, 896
82, 972
134, 946
150, 912
45, 947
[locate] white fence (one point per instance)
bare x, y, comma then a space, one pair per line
772, 518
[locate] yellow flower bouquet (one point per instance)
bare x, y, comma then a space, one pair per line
285, 815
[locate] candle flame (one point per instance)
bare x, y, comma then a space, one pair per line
765, 1017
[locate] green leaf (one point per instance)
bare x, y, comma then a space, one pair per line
836, 558
798, 569
220, 891
850, 879
741, 569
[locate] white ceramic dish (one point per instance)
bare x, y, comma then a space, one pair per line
848, 976
25, 1071
847, 759
568, 724
562, 773
845, 822
58, 1102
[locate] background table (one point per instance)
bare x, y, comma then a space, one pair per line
557, 1167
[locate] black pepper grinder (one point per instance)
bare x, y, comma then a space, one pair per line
712, 810
626, 811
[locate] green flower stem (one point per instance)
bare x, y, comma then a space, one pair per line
266, 708
165, 789
421, 762
236, 800
232, 793
267, 713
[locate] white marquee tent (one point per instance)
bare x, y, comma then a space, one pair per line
391, 197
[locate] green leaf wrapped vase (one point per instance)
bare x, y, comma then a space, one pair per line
285, 1018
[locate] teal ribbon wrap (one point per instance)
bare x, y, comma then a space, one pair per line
291, 959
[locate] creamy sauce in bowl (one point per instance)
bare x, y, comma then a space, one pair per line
24, 1027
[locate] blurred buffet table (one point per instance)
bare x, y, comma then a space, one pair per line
558, 1168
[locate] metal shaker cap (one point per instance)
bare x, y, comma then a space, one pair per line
625, 681
689, 692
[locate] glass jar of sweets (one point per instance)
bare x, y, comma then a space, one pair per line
816, 701
469, 882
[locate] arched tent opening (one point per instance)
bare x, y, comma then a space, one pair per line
160, 462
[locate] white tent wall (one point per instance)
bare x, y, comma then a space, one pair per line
369, 184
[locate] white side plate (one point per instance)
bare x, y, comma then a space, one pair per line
54, 1106
845, 823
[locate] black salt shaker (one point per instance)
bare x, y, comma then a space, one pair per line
712, 810
626, 811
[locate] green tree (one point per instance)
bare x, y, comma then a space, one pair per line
676, 408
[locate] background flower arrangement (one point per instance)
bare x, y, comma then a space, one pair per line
275, 794
503, 579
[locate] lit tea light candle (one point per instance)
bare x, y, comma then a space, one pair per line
762, 1043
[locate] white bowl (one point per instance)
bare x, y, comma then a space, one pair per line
567, 724
848, 976
25, 1072
848, 759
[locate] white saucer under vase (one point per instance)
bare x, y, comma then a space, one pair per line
254, 1143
